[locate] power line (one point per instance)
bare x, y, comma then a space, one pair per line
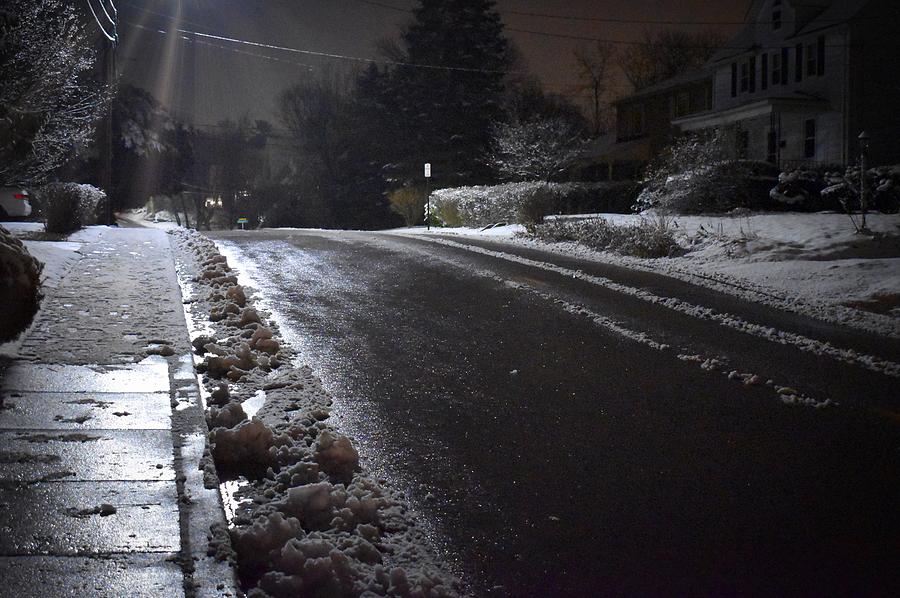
614, 20
106, 34
225, 48
521, 13
106, 14
165, 16
267, 46
612, 41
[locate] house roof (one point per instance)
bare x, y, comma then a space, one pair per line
606, 148
839, 12
687, 78
834, 13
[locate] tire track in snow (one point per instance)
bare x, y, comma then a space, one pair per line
804, 343
785, 393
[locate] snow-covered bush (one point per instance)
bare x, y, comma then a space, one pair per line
695, 176
528, 202
409, 203
535, 149
49, 101
798, 190
836, 188
66, 207
841, 190
20, 275
647, 239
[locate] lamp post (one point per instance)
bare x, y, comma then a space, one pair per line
863, 200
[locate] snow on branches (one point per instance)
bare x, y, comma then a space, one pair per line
48, 105
534, 149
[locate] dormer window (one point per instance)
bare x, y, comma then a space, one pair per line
776, 15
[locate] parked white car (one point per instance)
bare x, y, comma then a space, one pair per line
14, 203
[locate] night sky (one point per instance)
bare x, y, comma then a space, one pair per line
207, 82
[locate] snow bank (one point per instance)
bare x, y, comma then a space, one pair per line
19, 285
312, 522
815, 264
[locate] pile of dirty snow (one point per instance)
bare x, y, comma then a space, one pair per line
304, 519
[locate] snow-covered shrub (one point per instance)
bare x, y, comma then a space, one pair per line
535, 149
840, 190
20, 275
797, 190
647, 239
66, 207
694, 175
536, 202
526, 202
447, 213
409, 203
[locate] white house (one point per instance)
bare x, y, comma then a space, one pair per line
803, 78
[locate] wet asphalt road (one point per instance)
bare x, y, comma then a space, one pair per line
557, 451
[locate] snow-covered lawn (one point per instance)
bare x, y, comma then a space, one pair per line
814, 259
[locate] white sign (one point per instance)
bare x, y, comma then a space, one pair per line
428, 170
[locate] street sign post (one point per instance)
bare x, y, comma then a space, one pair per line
428, 195
242, 222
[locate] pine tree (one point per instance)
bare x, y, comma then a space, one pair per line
442, 106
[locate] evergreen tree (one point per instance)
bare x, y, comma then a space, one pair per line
440, 108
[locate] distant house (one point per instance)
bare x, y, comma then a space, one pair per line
795, 86
803, 78
644, 122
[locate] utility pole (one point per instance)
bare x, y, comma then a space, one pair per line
106, 183
109, 27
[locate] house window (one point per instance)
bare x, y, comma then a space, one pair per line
776, 15
820, 53
682, 103
776, 69
764, 75
811, 57
733, 79
809, 138
784, 65
631, 119
745, 76
637, 120
798, 63
752, 67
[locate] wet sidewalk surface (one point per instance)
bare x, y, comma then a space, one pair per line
100, 489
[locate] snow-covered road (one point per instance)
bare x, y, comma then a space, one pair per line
570, 427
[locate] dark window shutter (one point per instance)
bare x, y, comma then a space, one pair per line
820, 59
764, 71
733, 79
784, 66
798, 63
752, 74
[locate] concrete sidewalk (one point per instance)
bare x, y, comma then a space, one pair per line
101, 433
